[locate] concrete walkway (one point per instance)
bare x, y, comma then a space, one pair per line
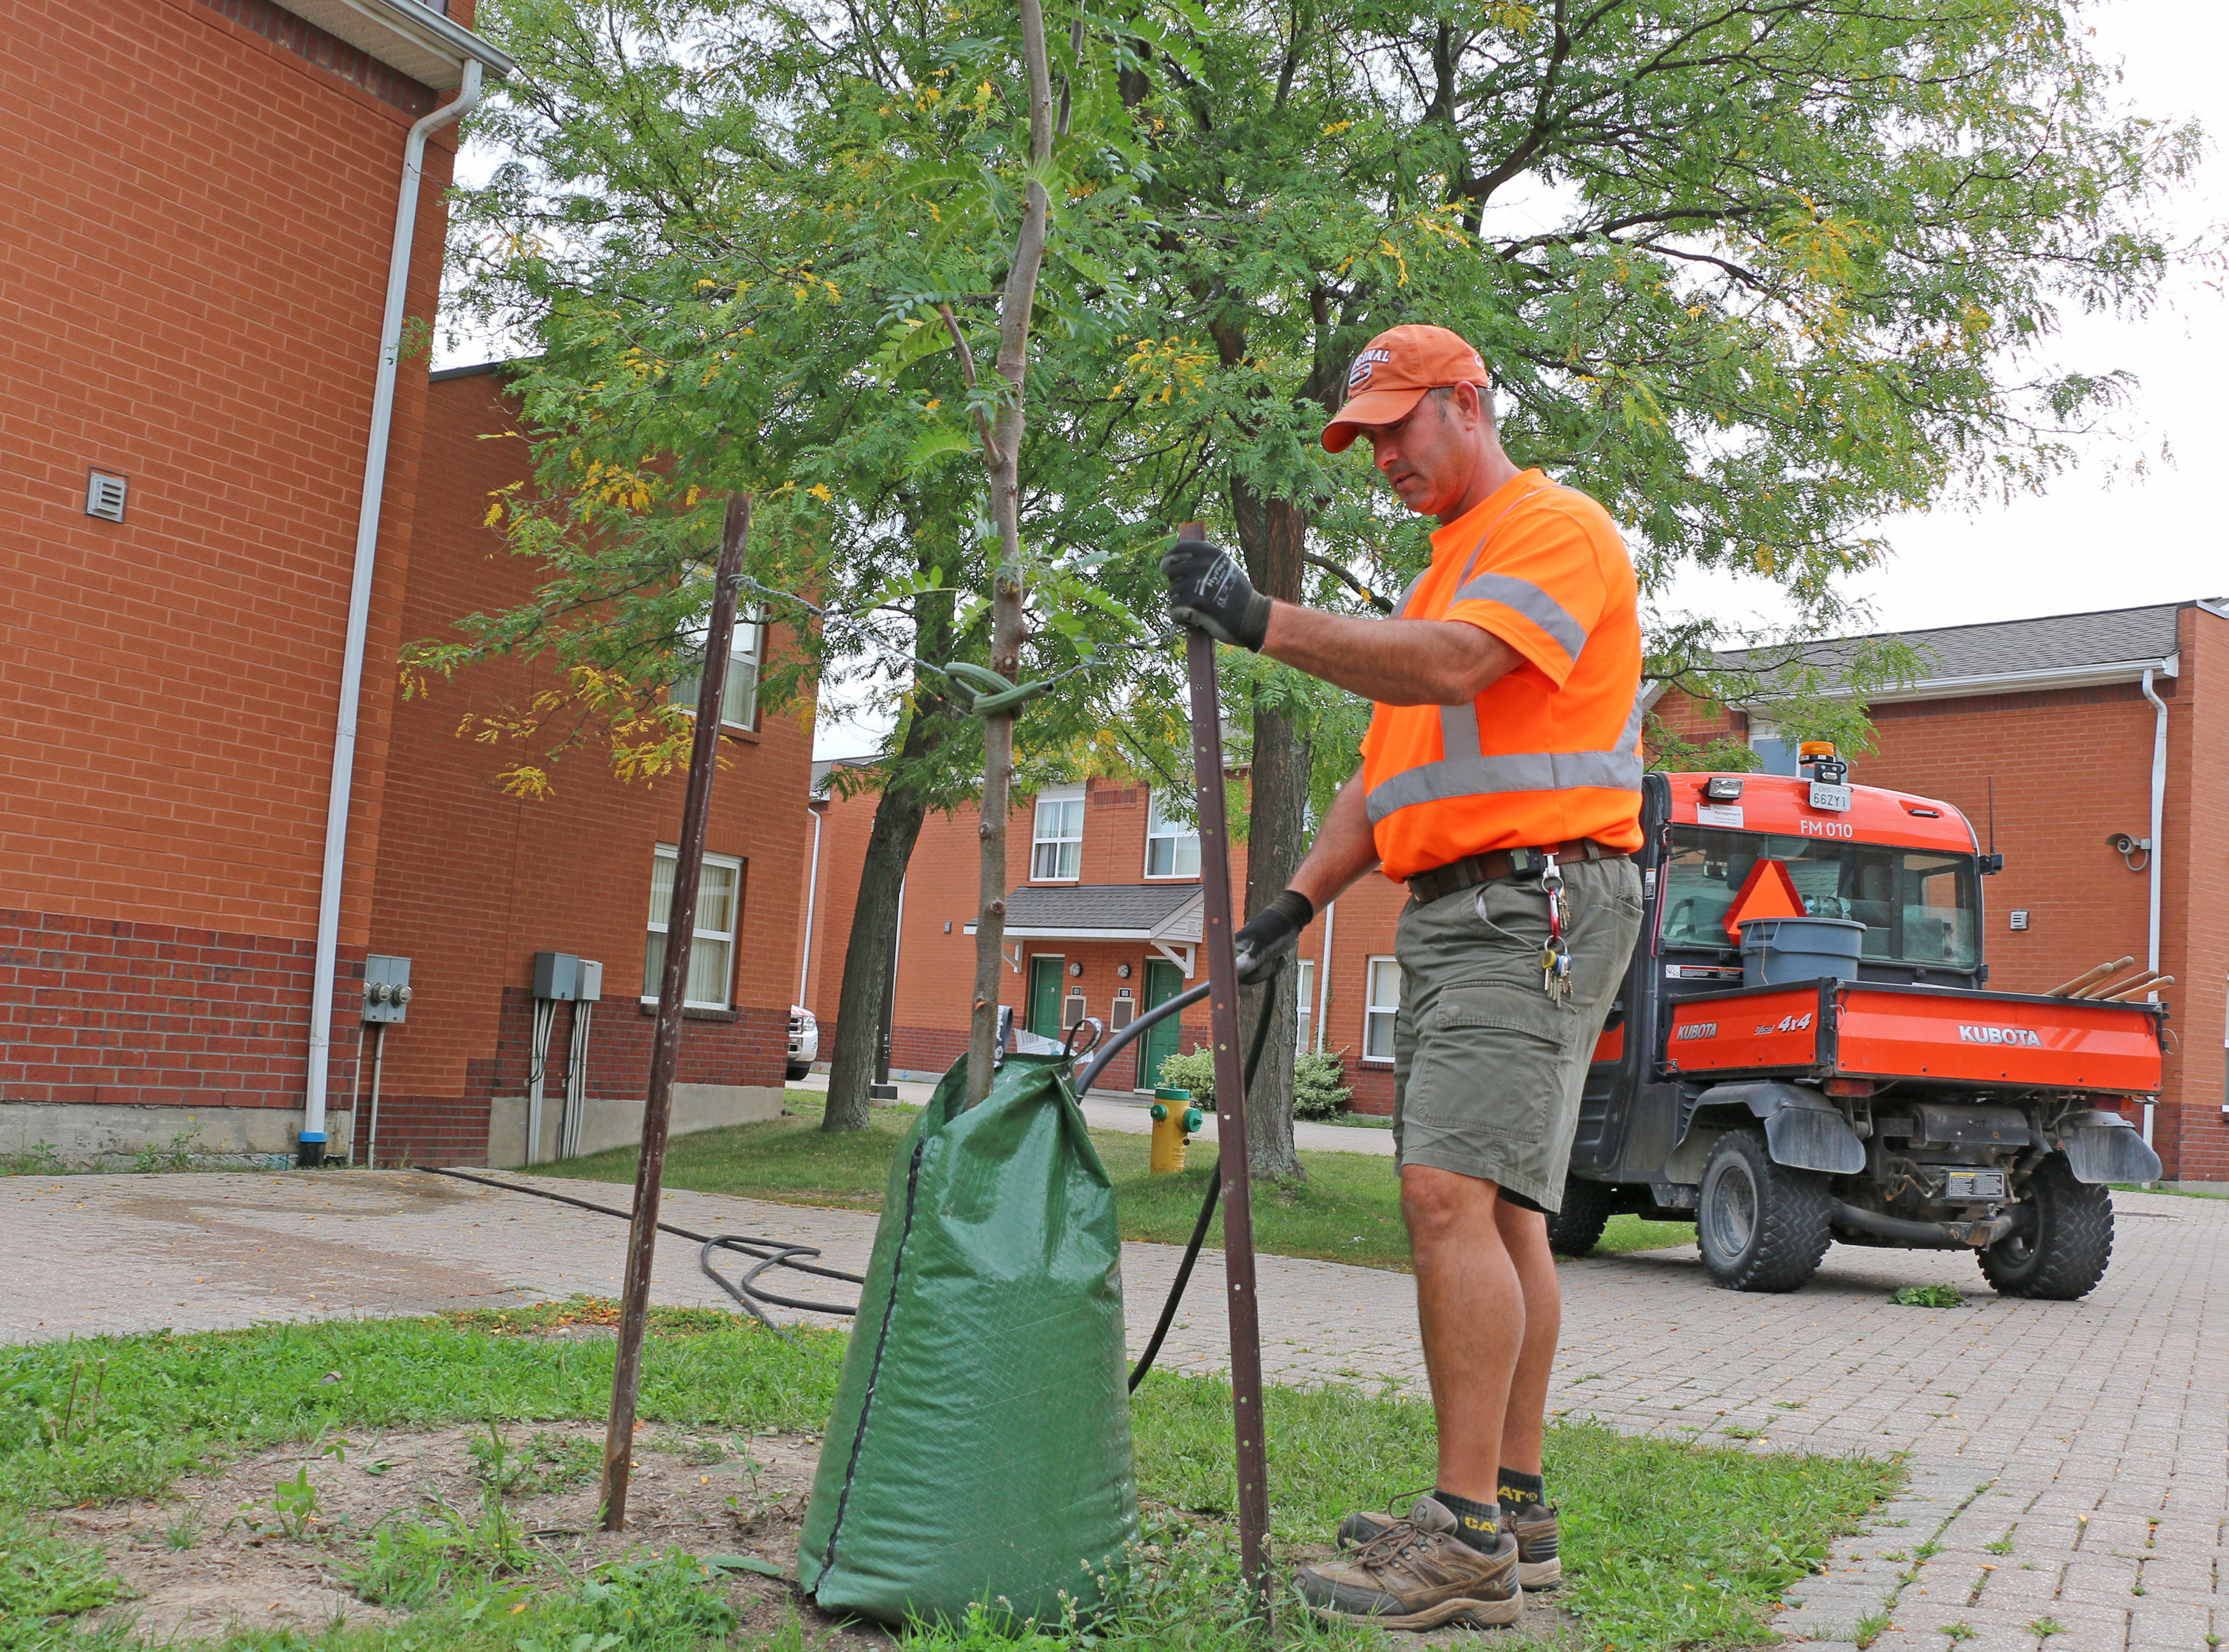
2070, 1461
1128, 1111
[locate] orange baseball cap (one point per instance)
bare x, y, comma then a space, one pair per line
1391, 374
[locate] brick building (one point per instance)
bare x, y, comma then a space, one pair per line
2054, 715
219, 519
1103, 919
471, 884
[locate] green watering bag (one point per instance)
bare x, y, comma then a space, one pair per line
980, 1448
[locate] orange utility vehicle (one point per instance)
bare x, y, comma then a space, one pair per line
1890, 1100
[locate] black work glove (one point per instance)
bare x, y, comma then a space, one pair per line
1210, 593
1270, 933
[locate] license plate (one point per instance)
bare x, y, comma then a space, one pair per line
1836, 797
1975, 1184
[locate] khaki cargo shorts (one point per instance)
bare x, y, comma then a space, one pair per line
1486, 1067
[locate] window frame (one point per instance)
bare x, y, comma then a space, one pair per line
1304, 1011
1172, 837
1371, 1006
750, 623
659, 927
1064, 796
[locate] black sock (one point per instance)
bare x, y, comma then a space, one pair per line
1476, 1524
1519, 1489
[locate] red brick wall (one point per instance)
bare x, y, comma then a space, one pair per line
2194, 901
471, 883
197, 212
150, 1014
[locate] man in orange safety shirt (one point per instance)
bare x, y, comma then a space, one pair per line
1500, 781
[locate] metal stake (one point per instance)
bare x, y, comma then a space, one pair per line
1229, 1108
673, 988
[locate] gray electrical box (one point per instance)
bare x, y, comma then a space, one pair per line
386, 988
556, 975
592, 981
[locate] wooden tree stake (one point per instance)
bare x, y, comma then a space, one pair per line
672, 990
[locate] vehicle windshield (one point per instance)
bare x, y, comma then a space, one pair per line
1919, 906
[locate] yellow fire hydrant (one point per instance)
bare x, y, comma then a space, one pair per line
1173, 1125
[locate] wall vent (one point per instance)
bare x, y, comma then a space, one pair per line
104, 496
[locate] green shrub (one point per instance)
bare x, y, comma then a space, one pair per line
1193, 1070
1318, 1089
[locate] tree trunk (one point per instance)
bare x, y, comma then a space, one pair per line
898, 816
1002, 459
1272, 535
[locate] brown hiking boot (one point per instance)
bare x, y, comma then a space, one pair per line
1416, 1574
1539, 1565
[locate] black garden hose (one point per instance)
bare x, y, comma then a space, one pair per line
769, 1253
779, 1253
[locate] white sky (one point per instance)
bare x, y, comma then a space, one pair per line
2101, 537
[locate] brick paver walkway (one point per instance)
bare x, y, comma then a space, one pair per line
2070, 1461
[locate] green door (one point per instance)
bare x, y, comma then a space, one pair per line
1164, 981
1044, 996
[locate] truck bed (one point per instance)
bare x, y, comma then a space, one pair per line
1830, 1028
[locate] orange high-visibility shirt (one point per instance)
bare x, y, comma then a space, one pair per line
1550, 751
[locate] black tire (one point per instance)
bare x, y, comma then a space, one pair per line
797, 1070
1761, 1227
2064, 1255
1588, 1206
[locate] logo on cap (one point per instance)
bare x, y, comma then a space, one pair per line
1365, 365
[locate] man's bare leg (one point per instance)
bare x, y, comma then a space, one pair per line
1525, 1238
1471, 1306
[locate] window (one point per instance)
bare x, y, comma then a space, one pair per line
1172, 847
712, 952
1057, 851
739, 694
1304, 1014
1381, 1001
1775, 751
1918, 907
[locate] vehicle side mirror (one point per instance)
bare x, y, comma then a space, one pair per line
1989, 865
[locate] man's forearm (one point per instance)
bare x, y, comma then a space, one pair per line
1396, 662
1343, 850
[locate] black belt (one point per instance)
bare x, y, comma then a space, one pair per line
1497, 864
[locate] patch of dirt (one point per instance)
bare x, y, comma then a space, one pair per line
226, 1551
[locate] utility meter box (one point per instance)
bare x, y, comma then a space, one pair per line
556, 975
386, 988
592, 981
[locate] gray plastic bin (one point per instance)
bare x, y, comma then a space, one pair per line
1778, 950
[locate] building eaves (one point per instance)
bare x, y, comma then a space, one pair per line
1104, 912
408, 36
2054, 651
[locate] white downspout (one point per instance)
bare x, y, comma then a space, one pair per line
1323, 978
359, 618
812, 893
2152, 855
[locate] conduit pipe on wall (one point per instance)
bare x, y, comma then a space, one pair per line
811, 895
2152, 857
359, 617
1323, 974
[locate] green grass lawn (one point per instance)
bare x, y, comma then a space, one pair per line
1668, 1545
1348, 1210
